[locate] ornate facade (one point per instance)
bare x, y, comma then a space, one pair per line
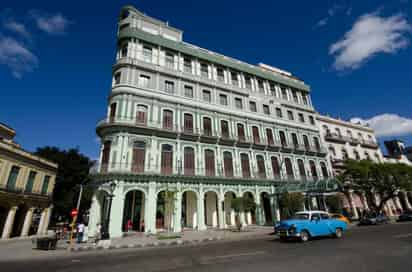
202, 125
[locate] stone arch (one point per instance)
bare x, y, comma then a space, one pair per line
266, 207
134, 210
211, 208
189, 208
249, 216
229, 213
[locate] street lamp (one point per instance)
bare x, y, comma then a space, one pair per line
105, 229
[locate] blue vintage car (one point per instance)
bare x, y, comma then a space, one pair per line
308, 224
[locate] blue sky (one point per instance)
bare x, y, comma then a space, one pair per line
56, 58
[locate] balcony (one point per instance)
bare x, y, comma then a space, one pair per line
286, 147
259, 143
191, 134
18, 191
208, 136
334, 137
226, 139
244, 141
273, 146
354, 141
369, 144
299, 149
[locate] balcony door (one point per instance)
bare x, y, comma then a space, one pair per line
244, 160
228, 163
261, 166
167, 119
210, 162
141, 115
282, 137
189, 161
275, 167
105, 156
112, 113
302, 171
188, 123
224, 126
139, 153
289, 168
313, 170
269, 136
306, 142
167, 160
207, 126
256, 137
241, 132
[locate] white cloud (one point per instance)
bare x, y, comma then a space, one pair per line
52, 24
387, 124
371, 34
322, 22
16, 56
18, 28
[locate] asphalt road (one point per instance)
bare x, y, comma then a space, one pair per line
375, 248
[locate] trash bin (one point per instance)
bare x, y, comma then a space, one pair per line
47, 243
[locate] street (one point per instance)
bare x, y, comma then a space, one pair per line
374, 248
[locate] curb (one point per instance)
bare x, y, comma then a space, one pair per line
179, 242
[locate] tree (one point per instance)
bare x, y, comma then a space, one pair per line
242, 204
334, 203
290, 203
73, 170
379, 182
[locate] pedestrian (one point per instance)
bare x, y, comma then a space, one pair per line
80, 232
129, 225
142, 226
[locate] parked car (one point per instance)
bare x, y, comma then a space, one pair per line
373, 219
309, 224
340, 217
405, 216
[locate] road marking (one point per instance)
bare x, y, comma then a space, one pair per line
75, 261
207, 260
405, 235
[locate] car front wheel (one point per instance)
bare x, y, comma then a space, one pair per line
338, 233
304, 236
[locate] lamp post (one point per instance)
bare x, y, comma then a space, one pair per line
105, 229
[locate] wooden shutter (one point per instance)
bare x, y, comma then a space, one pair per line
261, 166
141, 114
189, 161
289, 168
255, 132
105, 157
188, 123
241, 132
269, 136
210, 163
225, 128
113, 107
167, 119
282, 138
207, 126
228, 164
138, 158
275, 166
301, 166
244, 160
167, 160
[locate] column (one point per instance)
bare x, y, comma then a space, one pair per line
407, 203
150, 209
41, 223
220, 212
259, 210
116, 212
201, 211
355, 214
8, 225
324, 203
94, 216
365, 202
398, 204
274, 208
177, 226
47, 219
27, 222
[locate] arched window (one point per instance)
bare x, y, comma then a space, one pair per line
356, 153
207, 126
188, 123
313, 171
295, 139
338, 131
105, 156
241, 132
189, 161
269, 136
282, 137
255, 132
306, 142
289, 168
367, 156
139, 153
167, 159
324, 169
244, 160
112, 112
302, 171
316, 143
261, 166
344, 154
326, 129
332, 151
167, 119
228, 163
349, 133
275, 167
141, 114
210, 162
224, 126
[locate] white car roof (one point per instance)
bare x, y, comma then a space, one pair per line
311, 212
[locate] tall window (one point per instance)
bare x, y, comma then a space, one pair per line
272, 89
269, 136
228, 163
188, 91
169, 87
207, 96
305, 99
139, 154
223, 99
301, 167
290, 115
144, 81
224, 126
248, 82
295, 96
244, 161
261, 166
220, 74
282, 137
275, 167
279, 113
295, 139
204, 70
260, 86
167, 119
45, 185
357, 156
332, 151
301, 118
313, 170
166, 163
105, 156
147, 53
324, 169
112, 113
189, 161
306, 142
241, 132
344, 154
235, 81
311, 120
284, 93
207, 126
188, 123
11, 181
252, 106
187, 65
316, 142
266, 109
124, 51
30, 182
117, 78
141, 115
238, 103
255, 132
289, 168
210, 162
170, 60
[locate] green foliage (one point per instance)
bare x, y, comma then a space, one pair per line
239, 204
290, 203
73, 170
334, 203
384, 179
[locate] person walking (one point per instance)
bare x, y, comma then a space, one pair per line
80, 232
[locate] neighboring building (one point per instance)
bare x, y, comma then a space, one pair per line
26, 186
208, 127
408, 151
397, 152
345, 140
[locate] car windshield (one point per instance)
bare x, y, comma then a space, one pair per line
300, 216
